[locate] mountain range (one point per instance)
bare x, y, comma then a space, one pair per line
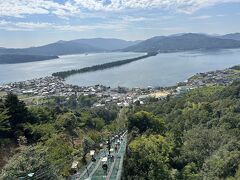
13, 58
172, 43
234, 36
72, 47
186, 42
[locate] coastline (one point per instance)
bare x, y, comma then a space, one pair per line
51, 86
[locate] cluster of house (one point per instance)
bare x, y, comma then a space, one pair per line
54, 86
219, 77
38, 87
123, 97
49, 86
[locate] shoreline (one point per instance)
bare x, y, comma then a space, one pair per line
31, 91
217, 77
236, 67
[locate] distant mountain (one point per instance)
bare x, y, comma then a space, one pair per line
173, 43
106, 44
72, 47
183, 42
234, 36
54, 49
16, 58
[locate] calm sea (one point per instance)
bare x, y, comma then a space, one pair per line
160, 70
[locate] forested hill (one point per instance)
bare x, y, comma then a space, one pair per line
196, 136
184, 42
53, 49
234, 36
78, 46
45, 139
15, 58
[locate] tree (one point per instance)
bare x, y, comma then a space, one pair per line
200, 143
87, 144
148, 158
107, 114
60, 153
4, 124
17, 112
190, 172
41, 114
29, 160
224, 163
96, 123
146, 121
68, 122
72, 102
41, 131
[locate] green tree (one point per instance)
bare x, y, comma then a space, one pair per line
108, 115
72, 102
41, 114
87, 144
31, 159
67, 122
190, 172
200, 143
60, 153
146, 121
98, 123
224, 162
17, 112
148, 158
41, 131
4, 124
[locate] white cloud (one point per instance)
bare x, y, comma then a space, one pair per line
186, 6
23, 26
165, 29
134, 19
201, 17
21, 8
30, 26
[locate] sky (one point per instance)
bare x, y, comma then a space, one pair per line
26, 23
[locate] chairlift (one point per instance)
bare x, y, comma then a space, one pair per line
111, 150
94, 159
105, 167
92, 152
104, 159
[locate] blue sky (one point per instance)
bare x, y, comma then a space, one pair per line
25, 23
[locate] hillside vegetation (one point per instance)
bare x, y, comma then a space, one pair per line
45, 140
193, 136
196, 136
